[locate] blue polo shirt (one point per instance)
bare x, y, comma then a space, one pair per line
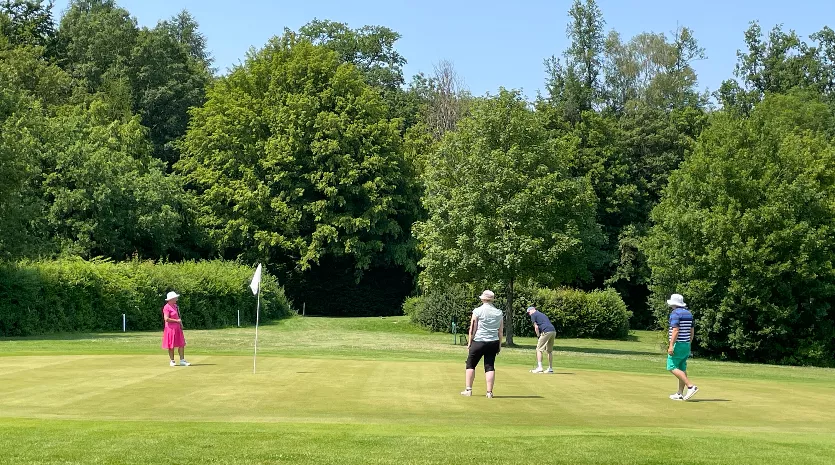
543, 322
682, 319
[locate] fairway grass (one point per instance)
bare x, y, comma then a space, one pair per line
382, 391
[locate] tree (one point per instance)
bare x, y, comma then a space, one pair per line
447, 99
93, 37
779, 63
745, 231
166, 80
575, 86
502, 208
294, 159
105, 194
29, 22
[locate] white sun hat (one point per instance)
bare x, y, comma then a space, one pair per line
487, 295
676, 300
171, 296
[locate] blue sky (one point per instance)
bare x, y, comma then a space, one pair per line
491, 43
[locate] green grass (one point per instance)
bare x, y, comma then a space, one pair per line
383, 391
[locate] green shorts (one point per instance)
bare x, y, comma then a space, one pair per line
681, 350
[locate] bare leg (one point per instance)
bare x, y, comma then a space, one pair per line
539, 359
182, 351
171, 354
682, 378
491, 377
550, 360
470, 378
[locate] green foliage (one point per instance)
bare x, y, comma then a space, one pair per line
745, 233
103, 193
575, 313
293, 158
76, 295
437, 309
501, 206
165, 82
95, 36
29, 22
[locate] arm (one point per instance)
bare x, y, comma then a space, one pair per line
473, 326
167, 318
673, 338
536, 329
501, 331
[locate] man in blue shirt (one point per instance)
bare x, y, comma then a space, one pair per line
546, 333
681, 335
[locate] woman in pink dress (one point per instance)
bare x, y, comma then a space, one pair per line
172, 336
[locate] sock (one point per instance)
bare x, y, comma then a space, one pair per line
468, 389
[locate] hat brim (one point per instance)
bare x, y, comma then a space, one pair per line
678, 304
175, 296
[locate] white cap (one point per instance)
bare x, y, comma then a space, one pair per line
487, 295
171, 296
676, 300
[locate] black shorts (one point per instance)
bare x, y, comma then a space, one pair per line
479, 349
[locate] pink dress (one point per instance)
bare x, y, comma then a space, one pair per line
172, 336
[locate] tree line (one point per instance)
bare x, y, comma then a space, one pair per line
358, 187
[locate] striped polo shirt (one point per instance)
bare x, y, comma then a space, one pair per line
682, 319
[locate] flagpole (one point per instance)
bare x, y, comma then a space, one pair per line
257, 320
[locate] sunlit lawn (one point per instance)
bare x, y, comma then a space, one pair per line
382, 391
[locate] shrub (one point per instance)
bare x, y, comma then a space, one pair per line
574, 313
438, 309
76, 295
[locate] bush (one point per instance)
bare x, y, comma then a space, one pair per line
574, 313
438, 309
77, 295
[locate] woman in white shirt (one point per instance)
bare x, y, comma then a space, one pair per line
484, 340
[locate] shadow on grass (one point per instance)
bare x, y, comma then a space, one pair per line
74, 336
592, 350
709, 400
518, 397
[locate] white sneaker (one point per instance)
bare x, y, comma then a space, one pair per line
549, 370
184, 363
489, 395
467, 392
537, 370
691, 392
172, 364
676, 396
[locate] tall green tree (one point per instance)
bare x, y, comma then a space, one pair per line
745, 232
95, 36
294, 159
777, 63
502, 207
168, 75
29, 22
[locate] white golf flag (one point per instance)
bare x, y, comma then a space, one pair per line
256, 280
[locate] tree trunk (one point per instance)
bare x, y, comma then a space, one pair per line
509, 323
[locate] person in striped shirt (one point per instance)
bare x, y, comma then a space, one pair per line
681, 335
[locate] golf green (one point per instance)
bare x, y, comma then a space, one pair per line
386, 392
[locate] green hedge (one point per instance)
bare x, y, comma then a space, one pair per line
574, 313
76, 295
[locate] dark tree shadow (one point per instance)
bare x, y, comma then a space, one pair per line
592, 350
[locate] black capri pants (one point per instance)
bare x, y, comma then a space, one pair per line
479, 349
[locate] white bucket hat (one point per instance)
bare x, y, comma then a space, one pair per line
487, 295
676, 300
171, 296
